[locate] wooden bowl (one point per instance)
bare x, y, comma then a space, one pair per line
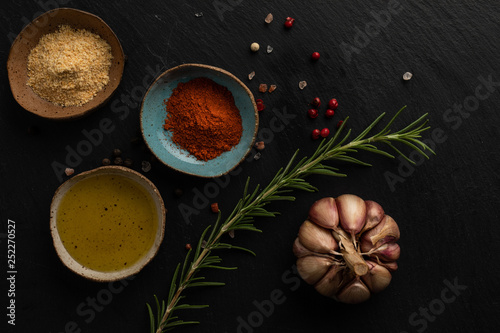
17, 63
153, 113
64, 243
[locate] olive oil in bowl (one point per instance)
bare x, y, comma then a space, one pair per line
107, 222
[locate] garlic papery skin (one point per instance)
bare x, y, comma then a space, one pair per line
387, 252
354, 293
378, 278
352, 213
386, 231
300, 250
316, 238
313, 268
374, 215
324, 213
331, 283
354, 255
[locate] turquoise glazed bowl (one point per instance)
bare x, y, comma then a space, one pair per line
153, 114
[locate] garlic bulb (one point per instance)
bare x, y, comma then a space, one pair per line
347, 248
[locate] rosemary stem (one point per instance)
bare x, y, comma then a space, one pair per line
290, 178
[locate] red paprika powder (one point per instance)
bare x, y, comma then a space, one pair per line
203, 118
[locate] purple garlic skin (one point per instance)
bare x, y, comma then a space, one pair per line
347, 248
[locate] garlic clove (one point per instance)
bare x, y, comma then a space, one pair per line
300, 250
354, 293
324, 213
391, 266
387, 252
374, 215
386, 231
331, 283
378, 278
312, 268
352, 212
316, 239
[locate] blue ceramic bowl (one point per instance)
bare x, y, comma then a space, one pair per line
153, 113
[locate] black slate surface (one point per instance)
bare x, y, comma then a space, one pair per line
446, 206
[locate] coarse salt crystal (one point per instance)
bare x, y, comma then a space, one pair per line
302, 84
251, 75
272, 88
262, 87
269, 49
407, 76
69, 171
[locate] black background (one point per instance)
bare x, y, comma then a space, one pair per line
446, 206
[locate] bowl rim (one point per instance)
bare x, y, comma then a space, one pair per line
216, 69
18, 90
89, 273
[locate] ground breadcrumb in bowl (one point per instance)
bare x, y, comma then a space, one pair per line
77, 47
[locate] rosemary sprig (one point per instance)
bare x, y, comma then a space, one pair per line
252, 205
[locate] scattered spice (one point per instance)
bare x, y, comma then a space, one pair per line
188, 246
200, 14
214, 207
146, 166
272, 88
106, 161
203, 118
118, 161
333, 104
407, 76
269, 18
260, 104
325, 132
231, 233
339, 123
254, 47
251, 75
128, 162
316, 102
315, 134
262, 87
69, 66
289, 22
329, 113
312, 113
117, 152
302, 85
257, 156
69, 171
269, 49
315, 56
260, 145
